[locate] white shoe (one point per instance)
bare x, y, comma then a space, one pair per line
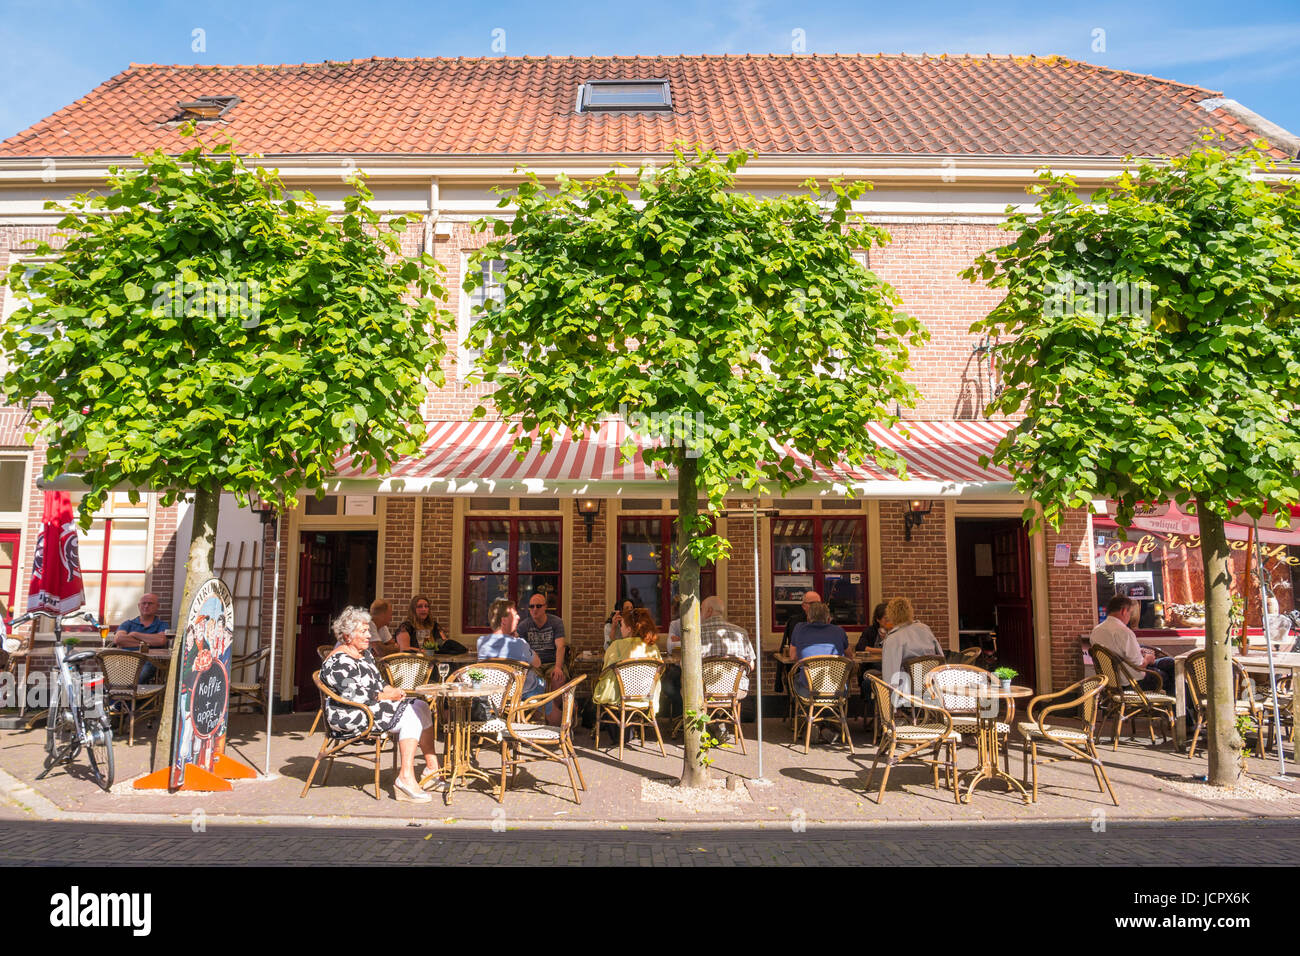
404, 794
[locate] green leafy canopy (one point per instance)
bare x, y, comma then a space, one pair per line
1151, 336
199, 326
738, 323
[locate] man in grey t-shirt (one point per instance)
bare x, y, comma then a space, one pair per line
544, 633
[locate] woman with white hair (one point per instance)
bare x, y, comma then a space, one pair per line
350, 671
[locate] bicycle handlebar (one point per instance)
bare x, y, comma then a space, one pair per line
7, 626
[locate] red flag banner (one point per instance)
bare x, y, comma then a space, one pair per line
56, 568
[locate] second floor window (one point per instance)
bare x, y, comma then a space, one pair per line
492, 273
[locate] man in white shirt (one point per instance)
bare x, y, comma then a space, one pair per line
720, 638
1116, 636
382, 642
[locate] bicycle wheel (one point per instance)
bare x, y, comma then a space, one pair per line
58, 732
99, 747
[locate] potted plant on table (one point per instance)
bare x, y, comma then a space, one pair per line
1005, 674
476, 677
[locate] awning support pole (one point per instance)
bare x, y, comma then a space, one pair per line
758, 657
1265, 587
270, 676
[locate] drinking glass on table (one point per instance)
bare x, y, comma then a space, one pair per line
443, 671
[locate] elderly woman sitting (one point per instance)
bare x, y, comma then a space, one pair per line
350, 671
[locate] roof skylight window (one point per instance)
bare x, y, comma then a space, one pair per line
595, 95
204, 107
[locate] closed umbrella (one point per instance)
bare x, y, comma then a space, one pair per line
56, 569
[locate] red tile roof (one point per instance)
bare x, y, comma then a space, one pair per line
1009, 106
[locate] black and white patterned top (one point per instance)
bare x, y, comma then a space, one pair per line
357, 680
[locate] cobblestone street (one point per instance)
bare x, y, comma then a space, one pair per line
1204, 843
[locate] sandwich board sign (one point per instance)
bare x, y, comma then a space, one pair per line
202, 711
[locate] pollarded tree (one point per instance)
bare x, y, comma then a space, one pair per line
729, 326
1151, 337
199, 329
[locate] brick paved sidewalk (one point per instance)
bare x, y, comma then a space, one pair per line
827, 786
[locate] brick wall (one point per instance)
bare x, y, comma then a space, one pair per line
917, 569
435, 561
1071, 597
585, 573
398, 530
162, 579
923, 263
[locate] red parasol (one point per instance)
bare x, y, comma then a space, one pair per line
56, 568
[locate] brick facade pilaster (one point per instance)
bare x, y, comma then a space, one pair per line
917, 569
435, 562
585, 574
1071, 597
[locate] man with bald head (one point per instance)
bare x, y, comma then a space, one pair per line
147, 629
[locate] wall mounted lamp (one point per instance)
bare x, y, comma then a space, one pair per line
589, 508
912, 517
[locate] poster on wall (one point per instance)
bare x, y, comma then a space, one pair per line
203, 704
1135, 584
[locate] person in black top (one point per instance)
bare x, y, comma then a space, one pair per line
872, 635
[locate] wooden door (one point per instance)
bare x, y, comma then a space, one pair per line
1013, 605
315, 604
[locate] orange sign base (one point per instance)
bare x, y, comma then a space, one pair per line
195, 778
227, 768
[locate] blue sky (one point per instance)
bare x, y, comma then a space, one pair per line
53, 51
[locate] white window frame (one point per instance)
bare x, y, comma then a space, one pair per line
465, 355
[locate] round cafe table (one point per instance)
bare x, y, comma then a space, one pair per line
456, 761
986, 712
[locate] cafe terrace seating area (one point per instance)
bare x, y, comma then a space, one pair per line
956, 733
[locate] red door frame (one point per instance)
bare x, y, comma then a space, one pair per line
1013, 602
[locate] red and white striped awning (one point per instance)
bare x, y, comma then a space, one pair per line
469, 458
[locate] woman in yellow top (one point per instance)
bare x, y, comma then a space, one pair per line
639, 640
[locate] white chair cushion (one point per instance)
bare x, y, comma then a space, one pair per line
494, 726
1132, 697
535, 732
922, 732
1071, 734
969, 725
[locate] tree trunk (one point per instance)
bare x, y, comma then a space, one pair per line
198, 568
1222, 742
694, 773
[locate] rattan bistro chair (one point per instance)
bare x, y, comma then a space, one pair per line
123, 690
504, 679
950, 686
368, 744
917, 668
1125, 700
404, 670
637, 681
248, 677
532, 741
722, 677
1197, 674
322, 651
827, 677
1283, 700
933, 732
1078, 741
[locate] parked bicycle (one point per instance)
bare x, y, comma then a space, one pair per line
77, 719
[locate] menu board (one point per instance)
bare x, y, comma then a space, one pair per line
203, 707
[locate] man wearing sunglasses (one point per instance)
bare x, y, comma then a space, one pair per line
544, 633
